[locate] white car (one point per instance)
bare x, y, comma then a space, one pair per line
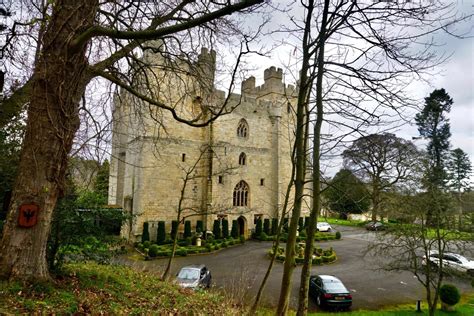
323, 227
451, 262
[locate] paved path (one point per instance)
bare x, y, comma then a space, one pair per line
240, 269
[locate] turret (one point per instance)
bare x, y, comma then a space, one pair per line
206, 65
248, 85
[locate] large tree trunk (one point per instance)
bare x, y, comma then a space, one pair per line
58, 84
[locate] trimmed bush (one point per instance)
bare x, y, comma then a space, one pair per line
225, 229
449, 294
199, 227
153, 251
317, 261
338, 235
174, 229
274, 226
187, 229
161, 233
242, 239
258, 227
163, 253
216, 229
266, 226
181, 252
146, 244
146, 233
235, 229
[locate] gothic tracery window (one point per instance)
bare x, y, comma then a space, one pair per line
242, 159
243, 129
241, 194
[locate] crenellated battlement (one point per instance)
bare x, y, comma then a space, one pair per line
273, 83
273, 73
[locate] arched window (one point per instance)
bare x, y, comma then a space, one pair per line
241, 194
242, 159
243, 129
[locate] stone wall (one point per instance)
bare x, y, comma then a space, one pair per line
152, 153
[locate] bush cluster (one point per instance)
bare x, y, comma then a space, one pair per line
321, 256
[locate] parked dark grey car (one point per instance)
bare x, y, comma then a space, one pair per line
194, 276
329, 291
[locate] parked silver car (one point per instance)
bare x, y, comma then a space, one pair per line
194, 276
451, 262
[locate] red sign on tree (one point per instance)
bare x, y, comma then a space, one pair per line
28, 215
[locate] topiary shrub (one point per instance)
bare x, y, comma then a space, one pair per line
174, 229
242, 239
161, 233
274, 226
187, 229
258, 227
146, 233
338, 235
300, 223
266, 226
235, 229
306, 221
199, 227
153, 251
216, 229
449, 294
285, 224
225, 229
146, 244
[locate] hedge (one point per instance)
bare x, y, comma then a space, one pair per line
161, 233
266, 226
146, 233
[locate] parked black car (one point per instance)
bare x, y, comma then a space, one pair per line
375, 226
329, 291
194, 276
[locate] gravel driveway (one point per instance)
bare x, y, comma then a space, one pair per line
240, 269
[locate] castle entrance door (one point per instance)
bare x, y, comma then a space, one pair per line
242, 223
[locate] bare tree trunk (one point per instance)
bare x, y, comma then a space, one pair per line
311, 228
303, 93
276, 244
59, 81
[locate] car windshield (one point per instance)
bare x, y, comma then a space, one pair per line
189, 274
333, 286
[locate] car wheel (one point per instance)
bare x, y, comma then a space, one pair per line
318, 300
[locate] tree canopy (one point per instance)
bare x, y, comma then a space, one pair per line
347, 194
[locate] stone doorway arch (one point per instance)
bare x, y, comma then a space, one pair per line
242, 225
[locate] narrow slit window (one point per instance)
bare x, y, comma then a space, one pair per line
183, 157
221, 180
262, 181
242, 159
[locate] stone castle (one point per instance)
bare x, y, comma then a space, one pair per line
236, 167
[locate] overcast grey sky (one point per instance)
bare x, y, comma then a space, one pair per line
456, 76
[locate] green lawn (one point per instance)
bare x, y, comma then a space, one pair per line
344, 222
454, 235
465, 308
